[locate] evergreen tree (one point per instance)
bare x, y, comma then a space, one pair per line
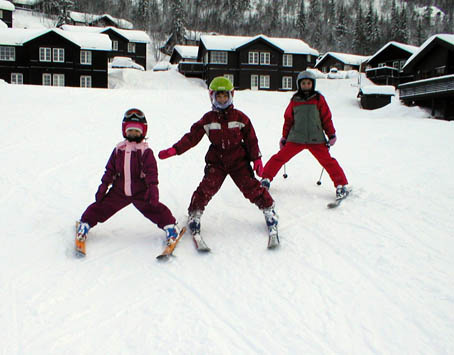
177, 18
403, 28
341, 30
301, 21
315, 20
359, 36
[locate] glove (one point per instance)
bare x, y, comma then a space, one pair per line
258, 166
152, 195
332, 140
101, 193
167, 153
282, 142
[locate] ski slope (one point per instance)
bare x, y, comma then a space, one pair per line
375, 276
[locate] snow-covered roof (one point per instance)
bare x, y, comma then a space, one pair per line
378, 90
90, 18
3, 25
232, 43
406, 47
351, 59
27, 2
189, 52
91, 41
130, 35
6, 5
448, 38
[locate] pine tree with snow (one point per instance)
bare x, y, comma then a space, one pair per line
177, 20
301, 21
359, 35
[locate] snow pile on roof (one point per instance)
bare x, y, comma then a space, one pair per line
406, 47
351, 59
17, 37
448, 38
90, 18
125, 62
378, 90
6, 5
232, 43
130, 35
189, 52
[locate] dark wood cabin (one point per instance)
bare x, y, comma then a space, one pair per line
340, 61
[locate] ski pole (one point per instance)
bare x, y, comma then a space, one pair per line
319, 182
285, 172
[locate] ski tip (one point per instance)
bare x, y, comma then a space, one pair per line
163, 257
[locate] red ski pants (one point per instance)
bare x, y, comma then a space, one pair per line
319, 151
243, 177
115, 200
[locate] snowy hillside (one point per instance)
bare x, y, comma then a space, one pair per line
375, 276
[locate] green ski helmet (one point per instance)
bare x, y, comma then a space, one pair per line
219, 84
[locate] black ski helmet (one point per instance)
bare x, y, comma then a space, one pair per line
134, 118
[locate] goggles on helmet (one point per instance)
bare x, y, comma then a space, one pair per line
134, 113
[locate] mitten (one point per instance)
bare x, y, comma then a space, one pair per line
258, 166
282, 142
152, 195
101, 193
332, 140
167, 153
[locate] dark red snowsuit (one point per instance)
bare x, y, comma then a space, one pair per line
131, 169
233, 146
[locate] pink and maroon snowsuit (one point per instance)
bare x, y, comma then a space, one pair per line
233, 146
131, 169
306, 121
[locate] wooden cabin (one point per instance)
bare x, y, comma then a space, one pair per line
432, 68
375, 96
340, 61
104, 20
53, 57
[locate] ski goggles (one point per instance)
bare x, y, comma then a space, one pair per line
134, 113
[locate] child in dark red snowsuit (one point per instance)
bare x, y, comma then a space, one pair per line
133, 173
233, 146
306, 121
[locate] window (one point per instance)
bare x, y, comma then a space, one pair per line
17, 78
85, 57
264, 81
253, 58
265, 58
8, 54
396, 64
381, 65
1, 13
131, 47
58, 80
44, 54
308, 58
402, 63
205, 58
85, 81
287, 82
58, 55
47, 79
230, 77
115, 45
219, 57
254, 81
440, 70
287, 60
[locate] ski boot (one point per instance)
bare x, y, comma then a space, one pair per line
271, 219
194, 221
82, 231
266, 183
341, 192
172, 232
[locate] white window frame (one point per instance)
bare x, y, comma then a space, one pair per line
131, 47
254, 82
1, 13
58, 79
287, 60
17, 78
401, 64
45, 54
115, 45
58, 55
253, 58
205, 58
218, 57
7, 54
396, 64
230, 77
264, 81
381, 65
287, 82
47, 79
86, 81
85, 57
265, 58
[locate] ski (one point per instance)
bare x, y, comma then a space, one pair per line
200, 244
337, 202
167, 252
273, 241
80, 250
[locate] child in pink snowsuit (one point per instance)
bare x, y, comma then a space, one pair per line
132, 174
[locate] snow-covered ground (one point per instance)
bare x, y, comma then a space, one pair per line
375, 276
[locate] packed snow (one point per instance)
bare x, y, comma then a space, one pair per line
374, 276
